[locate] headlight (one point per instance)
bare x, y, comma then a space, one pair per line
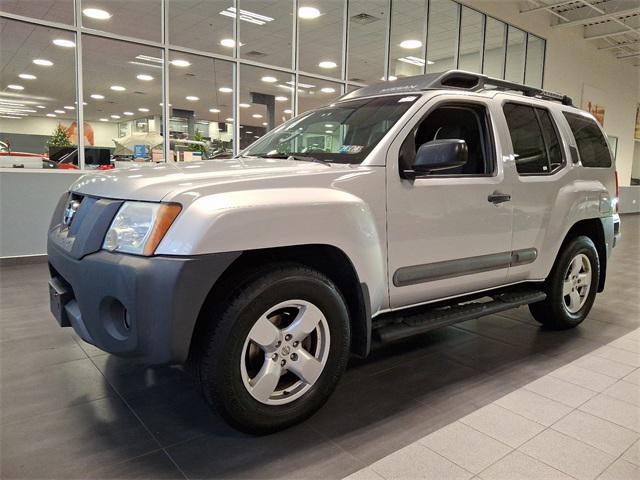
139, 227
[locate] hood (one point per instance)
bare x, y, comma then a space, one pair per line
165, 181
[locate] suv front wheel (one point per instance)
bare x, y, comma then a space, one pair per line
276, 350
571, 287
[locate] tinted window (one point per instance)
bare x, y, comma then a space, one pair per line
453, 122
592, 145
534, 138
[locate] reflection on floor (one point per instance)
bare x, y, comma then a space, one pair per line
68, 410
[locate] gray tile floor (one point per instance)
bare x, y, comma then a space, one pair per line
69, 411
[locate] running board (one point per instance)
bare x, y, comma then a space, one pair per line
397, 325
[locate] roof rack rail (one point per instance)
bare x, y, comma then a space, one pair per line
477, 82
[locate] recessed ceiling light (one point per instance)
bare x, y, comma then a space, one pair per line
96, 13
269, 79
128, 114
180, 63
117, 88
27, 76
328, 125
327, 64
264, 124
256, 115
61, 42
143, 110
327, 90
97, 96
412, 60
328, 131
42, 62
40, 106
144, 77
409, 44
288, 112
115, 116
244, 105
281, 99
230, 120
247, 16
60, 111
214, 110
51, 115
301, 85
308, 13
228, 42
69, 107
163, 105
225, 90
15, 87
104, 119
192, 98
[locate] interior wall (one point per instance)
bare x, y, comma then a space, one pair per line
572, 63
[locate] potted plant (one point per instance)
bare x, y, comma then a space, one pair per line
59, 143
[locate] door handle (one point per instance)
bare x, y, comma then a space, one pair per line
497, 197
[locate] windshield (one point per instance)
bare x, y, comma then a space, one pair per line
342, 133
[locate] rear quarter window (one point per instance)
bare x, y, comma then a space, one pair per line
592, 146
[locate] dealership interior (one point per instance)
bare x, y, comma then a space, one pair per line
91, 88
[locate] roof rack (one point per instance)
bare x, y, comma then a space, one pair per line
457, 79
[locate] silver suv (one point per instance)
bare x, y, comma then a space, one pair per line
400, 208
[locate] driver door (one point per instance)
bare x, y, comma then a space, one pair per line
449, 232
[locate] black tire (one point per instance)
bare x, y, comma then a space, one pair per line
553, 312
222, 347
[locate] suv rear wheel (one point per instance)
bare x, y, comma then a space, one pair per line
571, 287
276, 350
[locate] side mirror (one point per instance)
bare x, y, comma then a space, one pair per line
439, 155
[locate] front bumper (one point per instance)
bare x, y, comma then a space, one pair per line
130, 305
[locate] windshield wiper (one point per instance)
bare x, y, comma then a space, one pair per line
303, 158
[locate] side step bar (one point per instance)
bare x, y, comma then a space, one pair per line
397, 325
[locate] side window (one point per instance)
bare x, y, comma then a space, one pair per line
534, 138
592, 145
460, 122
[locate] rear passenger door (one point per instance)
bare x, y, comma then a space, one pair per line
540, 159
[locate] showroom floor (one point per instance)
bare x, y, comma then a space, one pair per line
69, 411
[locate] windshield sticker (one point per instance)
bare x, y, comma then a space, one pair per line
407, 99
351, 149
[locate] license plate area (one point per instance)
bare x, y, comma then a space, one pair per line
59, 295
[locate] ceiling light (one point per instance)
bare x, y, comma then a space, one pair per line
97, 96
144, 77
328, 125
15, 87
162, 105
391, 78
27, 76
248, 131
301, 85
264, 124
327, 64
61, 42
244, 105
115, 116
42, 62
256, 115
328, 131
51, 115
412, 60
288, 112
104, 119
96, 13
327, 90
409, 44
40, 106
117, 88
281, 99
247, 16
180, 63
214, 110
192, 98
143, 110
230, 120
229, 42
69, 107
128, 114
60, 111
225, 90
308, 13
269, 79
429, 62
